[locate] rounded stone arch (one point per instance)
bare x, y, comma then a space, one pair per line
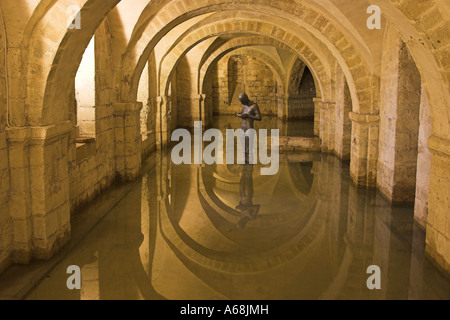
298, 67
231, 180
359, 68
254, 27
119, 40
425, 38
189, 247
104, 64
269, 61
243, 60
36, 18
245, 53
424, 30
49, 76
237, 43
272, 30
27, 33
107, 38
241, 42
320, 78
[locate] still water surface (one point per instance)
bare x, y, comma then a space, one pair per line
226, 232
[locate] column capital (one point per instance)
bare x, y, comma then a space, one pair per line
128, 107
162, 99
199, 97
283, 95
328, 105
38, 135
364, 118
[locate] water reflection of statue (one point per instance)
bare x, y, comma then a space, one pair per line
250, 114
248, 210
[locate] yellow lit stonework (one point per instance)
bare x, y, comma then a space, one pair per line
91, 92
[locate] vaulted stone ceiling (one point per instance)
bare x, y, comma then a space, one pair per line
331, 37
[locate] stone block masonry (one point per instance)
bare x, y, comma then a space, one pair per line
382, 98
233, 76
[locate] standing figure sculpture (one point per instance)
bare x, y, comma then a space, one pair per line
250, 114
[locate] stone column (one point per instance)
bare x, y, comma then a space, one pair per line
327, 126
423, 162
343, 125
283, 106
105, 130
399, 126
162, 122
204, 115
20, 203
323, 128
438, 226
5, 221
40, 199
317, 107
365, 133
128, 139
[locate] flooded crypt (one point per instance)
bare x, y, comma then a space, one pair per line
345, 195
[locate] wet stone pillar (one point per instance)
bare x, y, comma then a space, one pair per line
204, 115
317, 109
128, 139
438, 225
283, 106
327, 126
365, 133
40, 198
163, 122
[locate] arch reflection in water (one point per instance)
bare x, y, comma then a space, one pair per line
176, 236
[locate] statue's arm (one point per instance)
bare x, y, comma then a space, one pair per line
256, 116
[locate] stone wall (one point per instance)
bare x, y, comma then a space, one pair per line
438, 222
343, 124
93, 166
39, 189
399, 133
149, 143
187, 98
234, 75
5, 220
423, 163
45, 176
143, 97
301, 100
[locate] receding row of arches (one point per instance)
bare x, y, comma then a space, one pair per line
90, 103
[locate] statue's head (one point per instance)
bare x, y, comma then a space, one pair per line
243, 97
